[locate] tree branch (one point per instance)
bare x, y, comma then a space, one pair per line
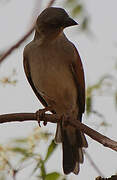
12, 48
54, 118
51, 2
114, 177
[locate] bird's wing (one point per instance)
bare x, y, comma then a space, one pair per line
78, 73
28, 75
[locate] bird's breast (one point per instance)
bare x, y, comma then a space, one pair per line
51, 75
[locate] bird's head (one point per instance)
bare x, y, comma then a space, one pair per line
54, 18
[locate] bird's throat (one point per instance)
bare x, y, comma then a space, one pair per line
46, 37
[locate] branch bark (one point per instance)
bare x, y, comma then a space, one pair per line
54, 118
15, 46
114, 177
18, 43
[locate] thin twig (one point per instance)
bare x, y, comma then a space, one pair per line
18, 43
93, 164
54, 118
51, 3
12, 48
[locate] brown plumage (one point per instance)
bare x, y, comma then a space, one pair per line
54, 70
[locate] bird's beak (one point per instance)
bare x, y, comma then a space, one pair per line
70, 22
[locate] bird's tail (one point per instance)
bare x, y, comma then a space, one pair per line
72, 143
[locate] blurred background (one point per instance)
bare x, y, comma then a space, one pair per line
27, 151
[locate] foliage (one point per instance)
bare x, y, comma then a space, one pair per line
106, 85
21, 153
78, 9
101, 87
9, 79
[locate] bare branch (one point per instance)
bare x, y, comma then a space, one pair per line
93, 164
54, 118
12, 48
114, 177
51, 3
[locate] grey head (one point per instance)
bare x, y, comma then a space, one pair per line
54, 17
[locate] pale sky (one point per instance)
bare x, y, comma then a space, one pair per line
98, 54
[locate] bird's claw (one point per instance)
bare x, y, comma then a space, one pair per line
40, 114
44, 122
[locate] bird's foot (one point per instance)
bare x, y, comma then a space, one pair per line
40, 114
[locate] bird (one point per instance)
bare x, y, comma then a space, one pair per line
54, 70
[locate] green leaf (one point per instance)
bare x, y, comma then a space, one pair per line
23, 140
77, 10
85, 23
89, 105
43, 170
50, 150
67, 2
22, 151
52, 176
